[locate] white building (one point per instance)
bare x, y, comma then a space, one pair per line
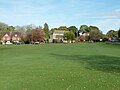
57, 35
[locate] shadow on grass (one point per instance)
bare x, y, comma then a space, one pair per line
97, 62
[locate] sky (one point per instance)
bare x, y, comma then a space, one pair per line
104, 14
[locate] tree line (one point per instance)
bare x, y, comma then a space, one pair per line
87, 33
30, 33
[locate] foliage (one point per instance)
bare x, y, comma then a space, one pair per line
20, 29
52, 30
73, 29
46, 31
29, 37
84, 28
64, 28
93, 28
38, 35
104, 37
69, 36
10, 29
30, 27
3, 27
26, 32
112, 33
95, 33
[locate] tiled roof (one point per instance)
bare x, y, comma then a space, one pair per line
59, 32
5, 33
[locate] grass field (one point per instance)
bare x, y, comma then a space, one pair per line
82, 66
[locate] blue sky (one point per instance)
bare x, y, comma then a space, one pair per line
103, 13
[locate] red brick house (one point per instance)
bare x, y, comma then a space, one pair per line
84, 36
16, 37
6, 37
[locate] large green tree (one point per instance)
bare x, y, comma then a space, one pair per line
69, 36
52, 30
84, 28
74, 30
64, 28
3, 27
95, 33
93, 28
46, 31
112, 33
10, 29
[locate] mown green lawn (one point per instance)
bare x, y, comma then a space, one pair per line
82, 66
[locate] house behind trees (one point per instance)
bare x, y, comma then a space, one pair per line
8, 37
57, 35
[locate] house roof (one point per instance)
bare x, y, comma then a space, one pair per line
4, 33
16, 33
13, 34
59, 32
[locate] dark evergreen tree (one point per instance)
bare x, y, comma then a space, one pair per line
46, 31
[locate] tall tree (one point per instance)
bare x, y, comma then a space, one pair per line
3, 27
52, 30
10, 29
74, 30
69, 36
46, 31
84, 28
22, 30
93, 28
112, 33
95, 33
30, 27
64, 28
38, 35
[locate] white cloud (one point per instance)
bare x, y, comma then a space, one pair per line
117, 10
107, 21
115, 14
108, 24
56, 13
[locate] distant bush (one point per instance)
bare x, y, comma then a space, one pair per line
27, 42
